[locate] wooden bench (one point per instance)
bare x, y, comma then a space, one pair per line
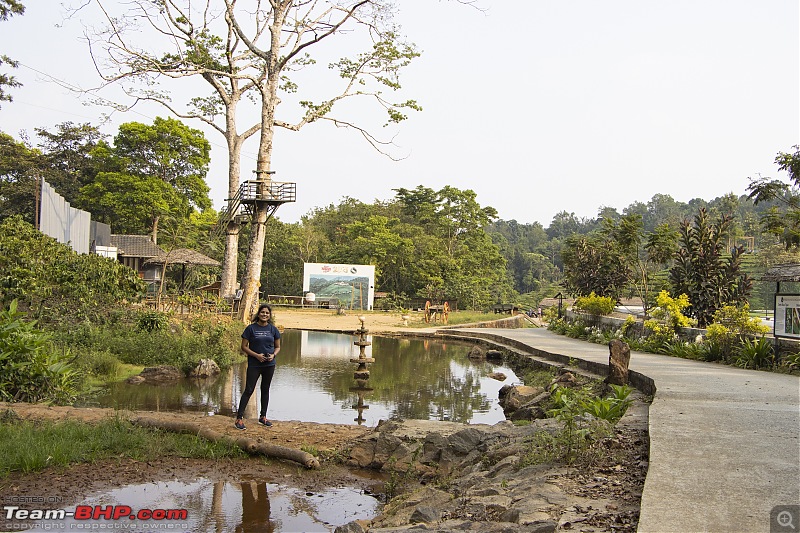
504, 308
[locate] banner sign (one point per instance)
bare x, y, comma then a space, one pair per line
351, 286
787, 315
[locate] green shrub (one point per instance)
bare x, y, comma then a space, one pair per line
612, 407
628, 325
731, 329
54, 283
687, 350
568, 406
755, 354
101, 364
667, 319
150, 321
31, 370
791, 361
181, 344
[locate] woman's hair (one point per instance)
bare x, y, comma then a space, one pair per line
271, 316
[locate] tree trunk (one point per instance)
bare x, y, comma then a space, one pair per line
250, 446
230, 258
255, 252
228, 287
154, 234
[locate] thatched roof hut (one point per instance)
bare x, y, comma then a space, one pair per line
783, 272
183, 257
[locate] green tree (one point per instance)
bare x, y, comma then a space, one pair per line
594, 263
704, 271
130, 204
19, 167
783, 216
168, 159
645, 253
8, 8
458, 259
566, 224
68, 153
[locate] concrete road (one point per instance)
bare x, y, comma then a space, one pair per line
724, 442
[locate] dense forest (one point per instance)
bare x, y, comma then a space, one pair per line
424, 243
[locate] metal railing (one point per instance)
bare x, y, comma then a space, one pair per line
249, 195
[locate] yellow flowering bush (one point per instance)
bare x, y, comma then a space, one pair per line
667, 318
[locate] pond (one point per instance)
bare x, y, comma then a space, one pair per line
428, 379
411, 378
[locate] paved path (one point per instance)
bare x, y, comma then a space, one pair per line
724, 442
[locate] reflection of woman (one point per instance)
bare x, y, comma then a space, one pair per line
261, 341
255, 509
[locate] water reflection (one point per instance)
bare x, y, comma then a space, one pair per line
411, 378
222, 507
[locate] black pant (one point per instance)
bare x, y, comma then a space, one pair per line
253, 373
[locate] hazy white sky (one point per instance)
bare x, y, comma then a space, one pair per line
538, 106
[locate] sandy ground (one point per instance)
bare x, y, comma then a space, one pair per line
327, 320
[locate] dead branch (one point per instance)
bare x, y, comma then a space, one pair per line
248, 445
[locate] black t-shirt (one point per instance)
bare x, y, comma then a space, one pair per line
261, 340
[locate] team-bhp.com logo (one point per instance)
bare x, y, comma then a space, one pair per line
95, 512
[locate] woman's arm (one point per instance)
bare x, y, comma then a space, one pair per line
246, 349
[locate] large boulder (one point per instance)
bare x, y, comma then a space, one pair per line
204, 369
513, 397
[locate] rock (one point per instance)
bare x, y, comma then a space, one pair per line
205, 368
424, 514
499, 376
516, 396
465, 440
619, 357
476, 353
511, 515
566, 379
533, 412
157, 375
494, 355
135, 380
350, 527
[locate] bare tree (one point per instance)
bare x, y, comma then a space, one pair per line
276, 38
188, 46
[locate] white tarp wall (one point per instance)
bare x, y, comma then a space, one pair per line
63, 222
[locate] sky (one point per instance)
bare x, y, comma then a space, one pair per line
538, 106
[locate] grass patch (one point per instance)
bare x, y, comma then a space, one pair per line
31, 446
469, 317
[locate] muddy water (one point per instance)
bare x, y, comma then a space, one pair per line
220, 506
411, 378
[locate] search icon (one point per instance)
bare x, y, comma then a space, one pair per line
784, 519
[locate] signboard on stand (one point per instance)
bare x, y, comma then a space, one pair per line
787, 316
345, 286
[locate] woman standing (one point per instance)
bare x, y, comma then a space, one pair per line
261, 341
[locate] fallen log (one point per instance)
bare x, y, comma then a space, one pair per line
248, 445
